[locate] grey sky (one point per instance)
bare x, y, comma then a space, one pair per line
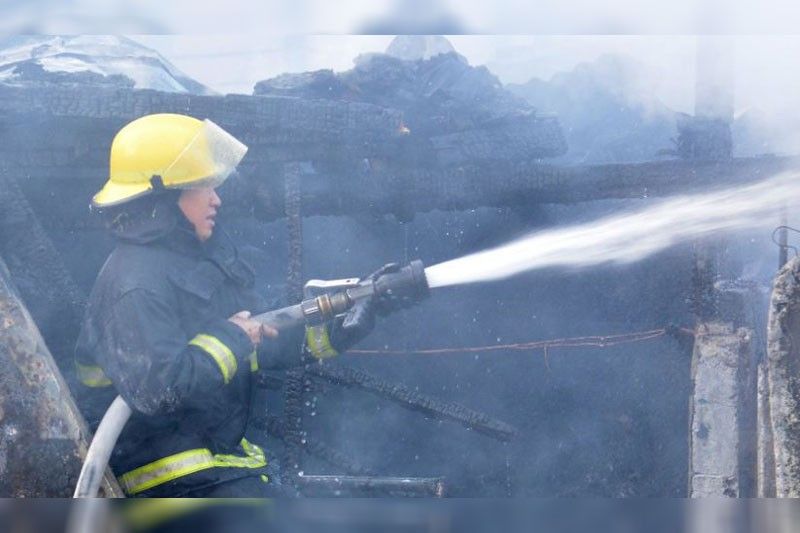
262, 17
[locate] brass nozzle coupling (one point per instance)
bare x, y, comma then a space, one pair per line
394, 290
324, 307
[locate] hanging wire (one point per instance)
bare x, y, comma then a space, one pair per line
782, 245
599, 341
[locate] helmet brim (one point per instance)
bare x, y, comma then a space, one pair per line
117, 193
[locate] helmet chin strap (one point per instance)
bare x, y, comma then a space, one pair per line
158, 188
157, 183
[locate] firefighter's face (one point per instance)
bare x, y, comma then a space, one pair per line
200, 208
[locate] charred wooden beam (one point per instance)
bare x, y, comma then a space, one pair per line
46, 286
351, 377
282, 121
405, 191
363, 164
335, 458
352, 486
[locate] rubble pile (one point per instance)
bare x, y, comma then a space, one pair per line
462, 113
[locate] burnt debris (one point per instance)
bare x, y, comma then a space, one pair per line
352, 377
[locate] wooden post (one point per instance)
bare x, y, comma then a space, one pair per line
722, 409
717, 409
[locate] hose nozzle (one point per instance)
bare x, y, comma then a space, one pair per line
398, 288
402, 288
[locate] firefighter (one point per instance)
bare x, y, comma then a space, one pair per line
168, 324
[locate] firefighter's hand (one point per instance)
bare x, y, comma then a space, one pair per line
384, 304
254, 329
359, 321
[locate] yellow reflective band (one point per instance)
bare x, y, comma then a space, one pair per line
254, 362
144, 514
319, 344
166, 469
92, 375
188, 462
221, 354
148, 513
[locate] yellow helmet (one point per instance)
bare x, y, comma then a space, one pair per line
183, 151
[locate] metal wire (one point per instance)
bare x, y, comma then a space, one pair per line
598, 341
782, 245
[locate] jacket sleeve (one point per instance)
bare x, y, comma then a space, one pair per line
284, 352
153, 364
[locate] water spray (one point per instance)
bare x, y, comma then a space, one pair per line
619, 239
628, 237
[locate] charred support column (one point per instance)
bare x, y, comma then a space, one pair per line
293, 425
43, 437
292, 173
295, 379
721, 353
722, 409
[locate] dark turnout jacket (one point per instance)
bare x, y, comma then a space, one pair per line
156, 328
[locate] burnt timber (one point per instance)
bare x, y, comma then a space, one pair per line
352, 377
386, 487
362, 161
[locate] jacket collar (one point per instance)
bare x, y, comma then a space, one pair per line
158, 221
